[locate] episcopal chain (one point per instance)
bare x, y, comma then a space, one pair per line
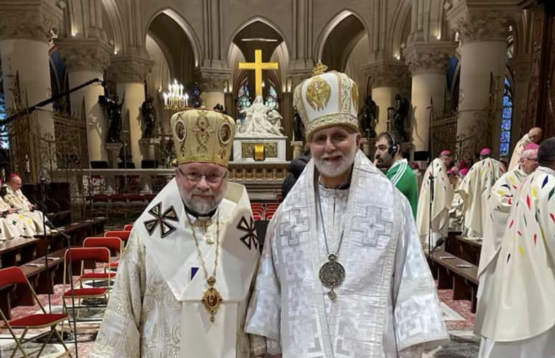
211, 299
332, 273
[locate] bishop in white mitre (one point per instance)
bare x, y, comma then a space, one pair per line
499, 207
184, 280
342, 273
17, 200
475, 190
519, 321
533, 136
441, 203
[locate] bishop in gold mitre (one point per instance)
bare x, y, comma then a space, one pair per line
183, 283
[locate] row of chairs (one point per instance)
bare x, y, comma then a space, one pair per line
264, 211
97, 250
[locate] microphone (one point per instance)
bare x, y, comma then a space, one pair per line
439, 242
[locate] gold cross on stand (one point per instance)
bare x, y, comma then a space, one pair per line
258, 66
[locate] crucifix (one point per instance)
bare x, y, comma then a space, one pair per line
258, 66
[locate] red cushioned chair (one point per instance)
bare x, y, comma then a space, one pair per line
128, 227
82, 255
114, 244
123, 235
15, 276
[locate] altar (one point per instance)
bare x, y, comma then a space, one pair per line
273, 149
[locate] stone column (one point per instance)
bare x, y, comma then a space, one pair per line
483, 35
387, 79
214, 84
24, 36
129, 71
86, 59
428, 65
520, 67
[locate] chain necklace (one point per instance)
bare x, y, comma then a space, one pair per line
211, 299
332, 273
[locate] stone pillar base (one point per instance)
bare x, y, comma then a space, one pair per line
113, 153
149, 147
297, 148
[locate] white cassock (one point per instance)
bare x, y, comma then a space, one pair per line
523, 142
499, 206
155, 309
15, 225
475, 190
386, 307
520, 316
20, 202
443, 197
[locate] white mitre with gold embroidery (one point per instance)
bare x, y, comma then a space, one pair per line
326, 100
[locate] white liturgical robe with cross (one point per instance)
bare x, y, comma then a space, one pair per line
156, 308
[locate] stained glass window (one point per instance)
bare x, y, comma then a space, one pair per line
506, 120
243, 98
271, 100
4, 142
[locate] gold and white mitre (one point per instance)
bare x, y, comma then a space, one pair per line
326, 100
202, 136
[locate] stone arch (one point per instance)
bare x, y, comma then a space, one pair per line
116, 23
185, 26
396, 33
355, 23
249, 22
330, 36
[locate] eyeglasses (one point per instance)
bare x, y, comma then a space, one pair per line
195, 177
532, 159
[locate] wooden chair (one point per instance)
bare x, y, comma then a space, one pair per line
15, 276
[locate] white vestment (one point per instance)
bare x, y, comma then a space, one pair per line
520, 316
387, 302
475, 190
15, 225
18, 201
443, 197
523, 142
155, 309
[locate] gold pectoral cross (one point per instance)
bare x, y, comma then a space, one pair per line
258, 66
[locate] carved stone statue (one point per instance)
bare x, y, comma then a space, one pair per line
149, 117
400, 114
113, 113
368, 117
260, 121
298, 127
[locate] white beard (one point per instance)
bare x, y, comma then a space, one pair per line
333, 170
205, 205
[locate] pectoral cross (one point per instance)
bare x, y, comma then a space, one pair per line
258, 66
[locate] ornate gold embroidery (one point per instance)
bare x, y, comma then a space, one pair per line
318, 93
203, 133
354, 95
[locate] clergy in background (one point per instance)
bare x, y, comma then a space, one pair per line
18, 201
533, 136
183, 282
499, 207
455, 212
520, 316
389, 158
475, 190
441, 203
342, 273
14, 225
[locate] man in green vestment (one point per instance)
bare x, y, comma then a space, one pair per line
388, 158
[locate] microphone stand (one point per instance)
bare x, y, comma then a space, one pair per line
70, 269
43, 206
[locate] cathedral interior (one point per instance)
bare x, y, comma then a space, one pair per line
88, 87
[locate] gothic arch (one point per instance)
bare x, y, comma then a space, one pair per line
249, 22
330, 26
116, 23
185, 26
401, 16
